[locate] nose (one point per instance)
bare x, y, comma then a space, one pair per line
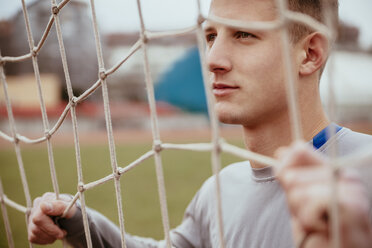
219, 56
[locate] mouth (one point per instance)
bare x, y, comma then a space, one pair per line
221, 89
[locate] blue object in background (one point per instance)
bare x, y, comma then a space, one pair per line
182, 85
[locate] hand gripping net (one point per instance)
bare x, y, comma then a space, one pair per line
216, 146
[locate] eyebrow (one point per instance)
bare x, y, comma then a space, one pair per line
209, 29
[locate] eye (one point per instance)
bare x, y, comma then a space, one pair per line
210, 37
244, 35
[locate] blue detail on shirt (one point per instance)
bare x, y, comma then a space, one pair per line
322, 137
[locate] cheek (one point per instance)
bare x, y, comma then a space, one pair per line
273, 71
263, 60
267, 76
270, 63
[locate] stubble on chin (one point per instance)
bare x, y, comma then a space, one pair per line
228, 117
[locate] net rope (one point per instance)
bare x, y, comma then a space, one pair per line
215, 147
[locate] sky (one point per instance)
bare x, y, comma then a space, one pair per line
122, 15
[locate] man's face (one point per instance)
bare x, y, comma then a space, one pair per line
246, 66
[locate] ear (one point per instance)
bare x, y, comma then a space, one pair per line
314, 53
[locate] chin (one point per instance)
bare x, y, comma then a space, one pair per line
229, 118
227, 113
237, 118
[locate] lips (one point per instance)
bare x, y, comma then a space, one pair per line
222, 89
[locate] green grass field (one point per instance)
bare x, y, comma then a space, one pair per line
184, 173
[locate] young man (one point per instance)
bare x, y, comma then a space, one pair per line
248, 82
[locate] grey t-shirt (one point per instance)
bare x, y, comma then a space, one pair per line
255, 212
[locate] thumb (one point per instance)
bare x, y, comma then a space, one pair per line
53, 208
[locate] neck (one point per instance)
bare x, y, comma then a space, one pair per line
267, 137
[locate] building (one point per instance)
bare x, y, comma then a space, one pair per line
78, 39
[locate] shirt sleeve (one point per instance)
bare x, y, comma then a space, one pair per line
105, 234
189, 233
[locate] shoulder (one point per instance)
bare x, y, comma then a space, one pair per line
199, 223
203, 204
232, 173
230, 176
350, 134
348, 141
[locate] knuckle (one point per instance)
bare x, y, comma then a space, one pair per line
54, 233
296, 200
288, 179
295, 196
37, 220
31, 238
299, 156
37, 201
49, 195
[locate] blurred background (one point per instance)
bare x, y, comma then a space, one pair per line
181, 103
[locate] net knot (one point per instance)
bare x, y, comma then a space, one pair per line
34, 52
73, 101
201, 19
16, 139
28, 212
117, 174
336, 172
218, 148
47, 135
55, 10
80, 187
102, 74
157, 146
144, 37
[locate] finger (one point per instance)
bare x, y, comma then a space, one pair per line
353, 201
302, 176
314, 217
50, 228
354, 212
57, 208
281, 152
54, 207
45, 223
49, 196
35, 239
316, 240
37, 201
38, 236
284, 151
303, 154
306, 239
298, 233
309, 205
299, 154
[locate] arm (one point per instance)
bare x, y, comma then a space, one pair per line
305, 178
104, 233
